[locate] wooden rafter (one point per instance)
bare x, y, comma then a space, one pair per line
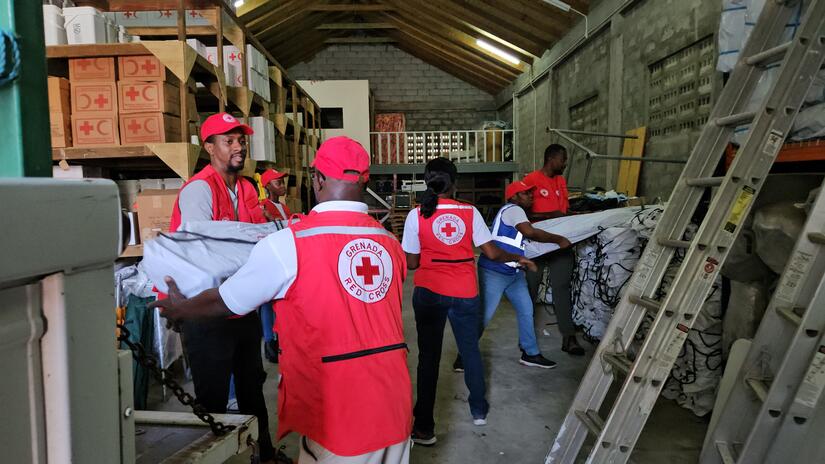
360, 40
352, 7
458, 38
354, 26
285, 12
474, 60
513, 15
296, 31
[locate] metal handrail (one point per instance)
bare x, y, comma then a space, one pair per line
462, 146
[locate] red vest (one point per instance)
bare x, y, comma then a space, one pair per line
222, 208
274, 212
447, 259
343, 358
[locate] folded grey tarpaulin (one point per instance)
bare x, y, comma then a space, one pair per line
201, 255
581, 227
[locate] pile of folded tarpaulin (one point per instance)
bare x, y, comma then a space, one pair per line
608, 245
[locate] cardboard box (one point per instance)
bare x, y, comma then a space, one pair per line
59, 91
141, 128
141, 68
233, 66
94, 97
131, 18
91, 69
84, 25
154, 209
198, 46
146, 97
161, 18
197, 18
95, 130
60, 126
77, 172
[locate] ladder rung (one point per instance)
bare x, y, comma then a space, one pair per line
759, 387
619, 362
789, 314
817, 237
705, 182
726, 452
649, 304
769, 56
591, 420
669, 242
736, 119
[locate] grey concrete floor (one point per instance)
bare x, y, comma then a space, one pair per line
527, 405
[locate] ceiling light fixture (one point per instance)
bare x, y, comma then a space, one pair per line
497, 51
567, 8
238, 3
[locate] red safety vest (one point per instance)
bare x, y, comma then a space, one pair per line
222, 208
447, 259
274, 211
343, 358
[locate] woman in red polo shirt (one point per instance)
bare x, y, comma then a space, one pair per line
438, 239
549, 202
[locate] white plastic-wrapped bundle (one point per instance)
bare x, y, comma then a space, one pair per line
777, 226
201, 255
810, 123
731, 33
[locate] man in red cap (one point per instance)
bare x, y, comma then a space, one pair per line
225, 349
336, 278
510, 227
274, 183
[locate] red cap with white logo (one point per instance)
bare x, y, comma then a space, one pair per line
269, 175
517, 187
222, 123
343, 158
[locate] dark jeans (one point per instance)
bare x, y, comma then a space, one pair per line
561, 263
268, 321
222, 348
431, 313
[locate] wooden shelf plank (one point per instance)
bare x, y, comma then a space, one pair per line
149, 31
180, 157
132, 251
144, 5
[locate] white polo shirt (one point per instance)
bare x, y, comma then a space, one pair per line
412, 244
272, 266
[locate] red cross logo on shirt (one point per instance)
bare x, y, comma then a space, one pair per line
134, 126
367, 270
86, 128
148, 66
132, 93
448, 229
101, 100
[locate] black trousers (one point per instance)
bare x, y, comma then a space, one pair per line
220, 348
561, 264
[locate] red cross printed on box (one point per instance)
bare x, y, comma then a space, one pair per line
148, 66
132, 93
86, 128
129, 14
367, 270
194, 14
134, 126
84, 64
166, 13
449, 229
100, 101
232, 56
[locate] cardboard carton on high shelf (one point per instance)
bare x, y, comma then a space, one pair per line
59, 91
146, 97
142, 68
154, 209
92, 69
60, 127
94, 97
95, 129
142, 128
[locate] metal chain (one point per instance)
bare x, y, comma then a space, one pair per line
163, 376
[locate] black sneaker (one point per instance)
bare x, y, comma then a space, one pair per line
458, 365
536, 361
423, 439
271, 351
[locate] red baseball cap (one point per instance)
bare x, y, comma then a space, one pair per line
343, 158
222, 123
516, 187
269, 175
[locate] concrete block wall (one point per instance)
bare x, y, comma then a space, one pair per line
430, 98
613, 66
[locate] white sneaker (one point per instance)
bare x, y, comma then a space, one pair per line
480, 422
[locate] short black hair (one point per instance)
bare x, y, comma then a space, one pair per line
554, 149
210, 139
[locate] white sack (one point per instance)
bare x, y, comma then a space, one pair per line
777, 226
201, 255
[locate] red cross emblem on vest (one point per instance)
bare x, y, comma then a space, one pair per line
365, 269
449, 228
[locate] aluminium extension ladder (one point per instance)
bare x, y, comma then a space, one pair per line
616, 435
778, 387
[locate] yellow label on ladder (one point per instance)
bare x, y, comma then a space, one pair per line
737, 213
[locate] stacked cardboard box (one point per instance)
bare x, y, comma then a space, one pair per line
149, 101
258, 72
60, 112
262, 142
94, 105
